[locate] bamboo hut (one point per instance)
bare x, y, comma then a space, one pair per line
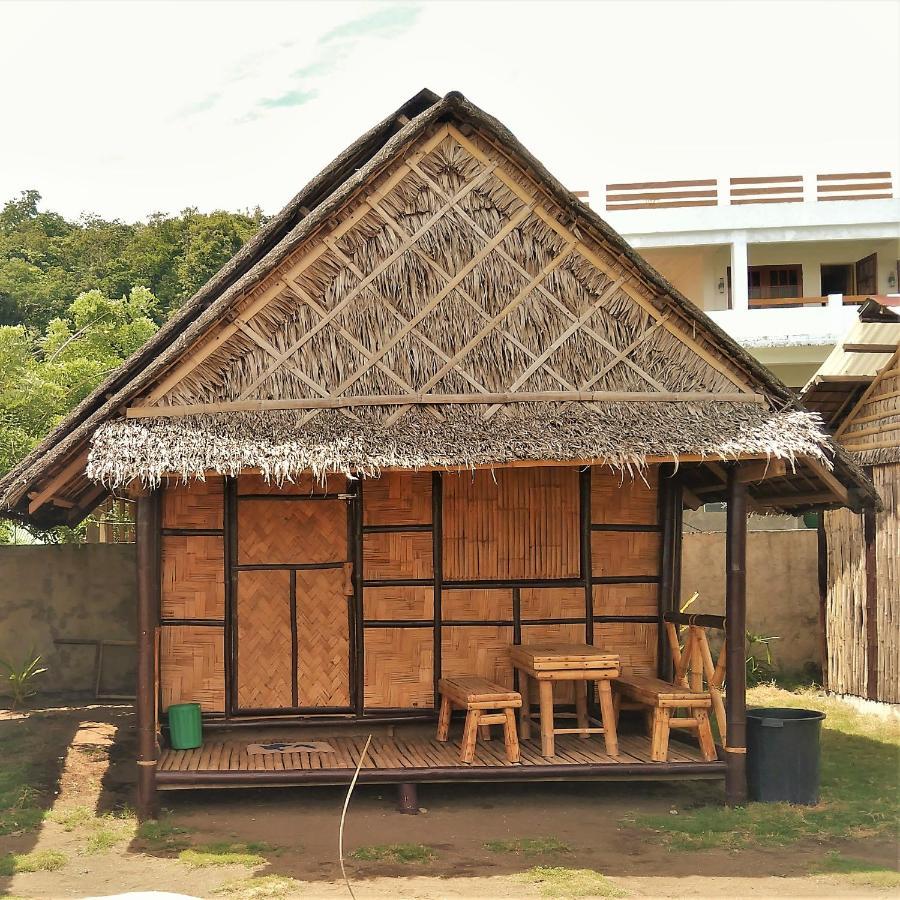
857, 391
435, 409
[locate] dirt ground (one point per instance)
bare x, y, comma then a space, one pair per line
82, 757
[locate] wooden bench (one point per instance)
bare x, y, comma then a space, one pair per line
663, 698
486, 704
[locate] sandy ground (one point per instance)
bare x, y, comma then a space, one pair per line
91, 751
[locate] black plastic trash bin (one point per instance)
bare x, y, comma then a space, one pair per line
783, 755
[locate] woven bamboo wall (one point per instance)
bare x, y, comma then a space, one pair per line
285, 532
846, 603
193, 577
304, 485
478, 650
511, 523
887, 550
398, 603
398, 498
618, 499
625, 600
552, 603
197, 504
875, 425
192, 666
625, 553
477, 605
635, 642
399, 668
396, 554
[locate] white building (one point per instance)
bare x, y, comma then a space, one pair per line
781, 262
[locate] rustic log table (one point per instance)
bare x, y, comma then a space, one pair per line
548, 663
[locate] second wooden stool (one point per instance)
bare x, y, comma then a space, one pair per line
486, 704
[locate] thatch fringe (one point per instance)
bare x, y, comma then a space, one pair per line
276, 445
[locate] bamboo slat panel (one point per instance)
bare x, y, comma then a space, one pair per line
399, 668
323, 638
846, 603
511, 523
623, 553
617, 499
887, 550
398, 603
397, 498
197, 504
192, 584
573, 633
396, 554
285, 532
876, 422
551, 603
264, 659
303, 485
633, 641
192, 666
477, 650
476, 604
625, 600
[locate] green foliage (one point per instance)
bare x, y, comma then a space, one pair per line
21, 678
37, 861
558, 881
162, 834
858, 871
759, 670
395, 853
528, 846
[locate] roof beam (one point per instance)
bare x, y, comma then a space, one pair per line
869, 348
38, 499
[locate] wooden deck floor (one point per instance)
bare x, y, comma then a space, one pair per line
222, 762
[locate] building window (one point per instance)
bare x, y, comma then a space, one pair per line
837, 279
771, 283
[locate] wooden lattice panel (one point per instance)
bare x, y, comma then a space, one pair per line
197, 504
625, 553
192, 666
398, 603
394, 554
399, 668
511, 523
192, 580
323, 638
477, 604
551, 603
635, 643
264, 659
302, 485
617, 498
397, 498
625, 599
291, 531
477, 650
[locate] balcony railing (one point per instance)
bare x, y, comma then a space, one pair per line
780, 302
748, 190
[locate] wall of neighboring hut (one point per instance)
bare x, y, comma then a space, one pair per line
782, 589
64, 592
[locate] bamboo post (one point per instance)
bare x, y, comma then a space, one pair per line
822, 572
147, 621
735, 630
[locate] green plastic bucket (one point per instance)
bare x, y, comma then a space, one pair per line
185, 728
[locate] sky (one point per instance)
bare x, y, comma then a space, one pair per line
129, 108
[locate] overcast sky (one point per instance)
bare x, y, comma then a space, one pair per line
126, 108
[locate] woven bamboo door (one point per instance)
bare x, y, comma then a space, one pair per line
291, 619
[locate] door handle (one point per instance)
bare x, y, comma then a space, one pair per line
348, 579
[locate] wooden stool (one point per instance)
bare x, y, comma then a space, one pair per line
479, 697
661, 698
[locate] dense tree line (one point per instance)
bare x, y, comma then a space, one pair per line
77, 297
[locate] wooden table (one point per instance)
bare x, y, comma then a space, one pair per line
547, 663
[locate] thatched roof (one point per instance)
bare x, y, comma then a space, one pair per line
434, 297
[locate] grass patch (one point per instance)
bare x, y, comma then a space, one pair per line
858, 871
102, 833
860, 795
38, 861
395, 853
225, 854
19, 798
528, 846
260, 887
72, 817
558, 881
162, 834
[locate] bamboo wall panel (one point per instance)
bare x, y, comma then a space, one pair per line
477, 650
624, 553
399, 668
285, 532
192, 583
398, 603
633, 641
323, 638
395, 554
397, 498
887, 550
476, 604
569, 633
846, 603
618, 499
511, 523
303, 485
192, 666
879, 428
197, 504
264, 660
551, 603
625, 599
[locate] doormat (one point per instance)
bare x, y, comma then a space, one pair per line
290, 747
